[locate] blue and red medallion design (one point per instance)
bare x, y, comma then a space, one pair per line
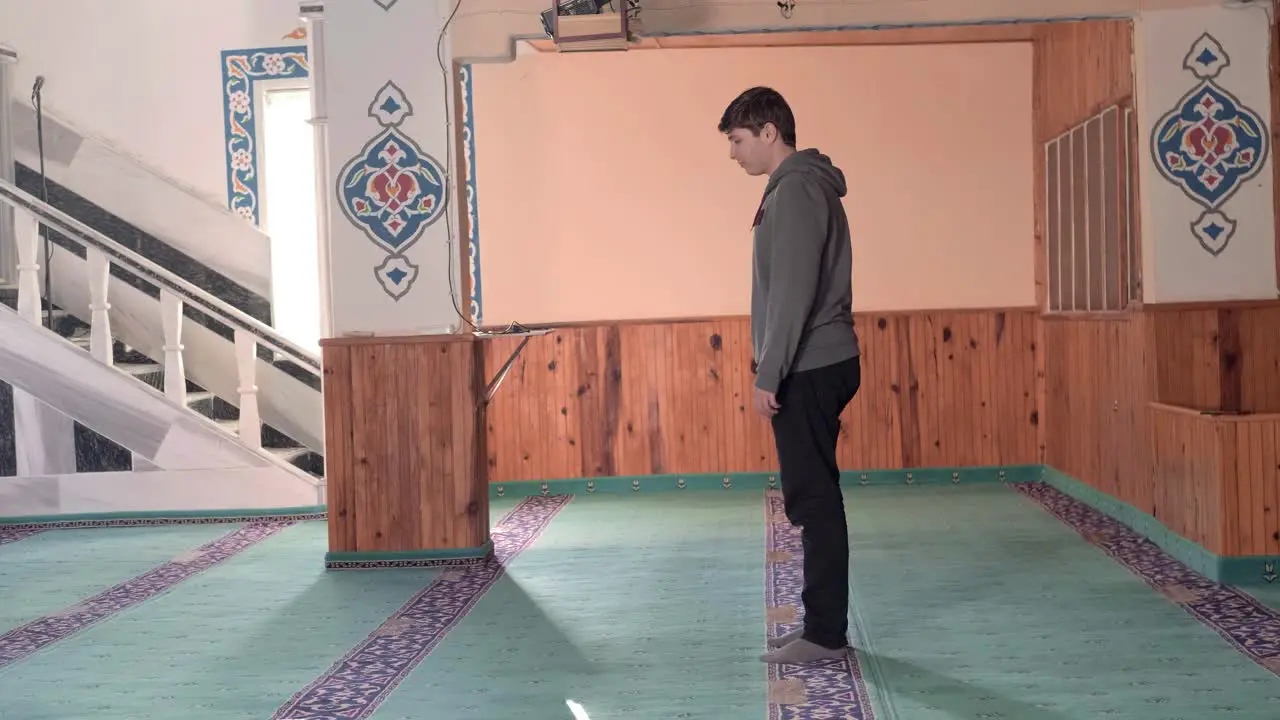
1209, 144
392, 190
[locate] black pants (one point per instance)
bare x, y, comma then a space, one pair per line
806, 430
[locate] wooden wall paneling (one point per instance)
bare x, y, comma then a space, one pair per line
1078, 70
1256, 455
1259, 337
339, 458
940, 388
1219, 479
402, 445
1218, 357
1095, 403
1186, 452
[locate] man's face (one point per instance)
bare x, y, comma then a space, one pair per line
750, 151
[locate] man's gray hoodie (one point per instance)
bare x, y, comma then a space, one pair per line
801, 286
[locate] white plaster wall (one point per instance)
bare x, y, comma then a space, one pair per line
160, 206
134, 113
145, 75
1177, 268
483, 29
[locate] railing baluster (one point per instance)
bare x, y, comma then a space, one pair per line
247, 372
26, 231
99, 319
175, 374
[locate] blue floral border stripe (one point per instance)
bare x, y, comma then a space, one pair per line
8, 536
833, 689
365, 677
473, 201
38, 634
241, 69
1249, 626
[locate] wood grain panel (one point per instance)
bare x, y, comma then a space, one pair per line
1098, 386
1219, 478
1187, 462
1079, 69
1218, 357
947, 388
403, 461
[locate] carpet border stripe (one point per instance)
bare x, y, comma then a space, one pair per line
48, 630
347, 690
1250, 627
834, 689
8, 537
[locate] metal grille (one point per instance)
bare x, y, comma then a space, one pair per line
1090, 225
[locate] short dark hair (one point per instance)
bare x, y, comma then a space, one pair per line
757, 107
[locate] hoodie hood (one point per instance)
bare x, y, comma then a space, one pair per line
815, 165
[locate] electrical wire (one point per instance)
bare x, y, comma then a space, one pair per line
451, 164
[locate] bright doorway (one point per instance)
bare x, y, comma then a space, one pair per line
288, 186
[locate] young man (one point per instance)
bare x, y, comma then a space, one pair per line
806, 355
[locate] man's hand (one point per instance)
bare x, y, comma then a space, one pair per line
765, 403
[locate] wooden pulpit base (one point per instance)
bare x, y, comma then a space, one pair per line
405, 457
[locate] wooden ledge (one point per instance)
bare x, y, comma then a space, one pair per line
1214, 415
350, 340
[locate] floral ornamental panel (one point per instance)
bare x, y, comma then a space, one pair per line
392, 190
1209, 144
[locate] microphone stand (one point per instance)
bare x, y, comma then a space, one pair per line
37, 101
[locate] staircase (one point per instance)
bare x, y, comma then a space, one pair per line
155, 327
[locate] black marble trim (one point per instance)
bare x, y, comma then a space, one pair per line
8, 438
153, 249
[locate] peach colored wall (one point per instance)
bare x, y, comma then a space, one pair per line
605, 191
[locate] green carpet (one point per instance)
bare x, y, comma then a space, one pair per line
1269, 596
971, 602
634, 607
52, 570
233, 642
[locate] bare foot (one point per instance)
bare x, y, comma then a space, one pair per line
802, 652
781, 640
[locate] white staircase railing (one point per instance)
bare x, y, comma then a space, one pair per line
175, 293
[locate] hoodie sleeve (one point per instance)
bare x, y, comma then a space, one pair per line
797, 224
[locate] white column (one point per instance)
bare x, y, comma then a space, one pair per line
8, 245
393, 248
1206, 208
312, 12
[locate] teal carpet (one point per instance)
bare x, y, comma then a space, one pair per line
972, 603
632, 607
232, 642
51, 570
1269, 596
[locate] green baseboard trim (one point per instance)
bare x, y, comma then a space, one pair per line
1238, 571
455, 557
673, 482
164, 517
